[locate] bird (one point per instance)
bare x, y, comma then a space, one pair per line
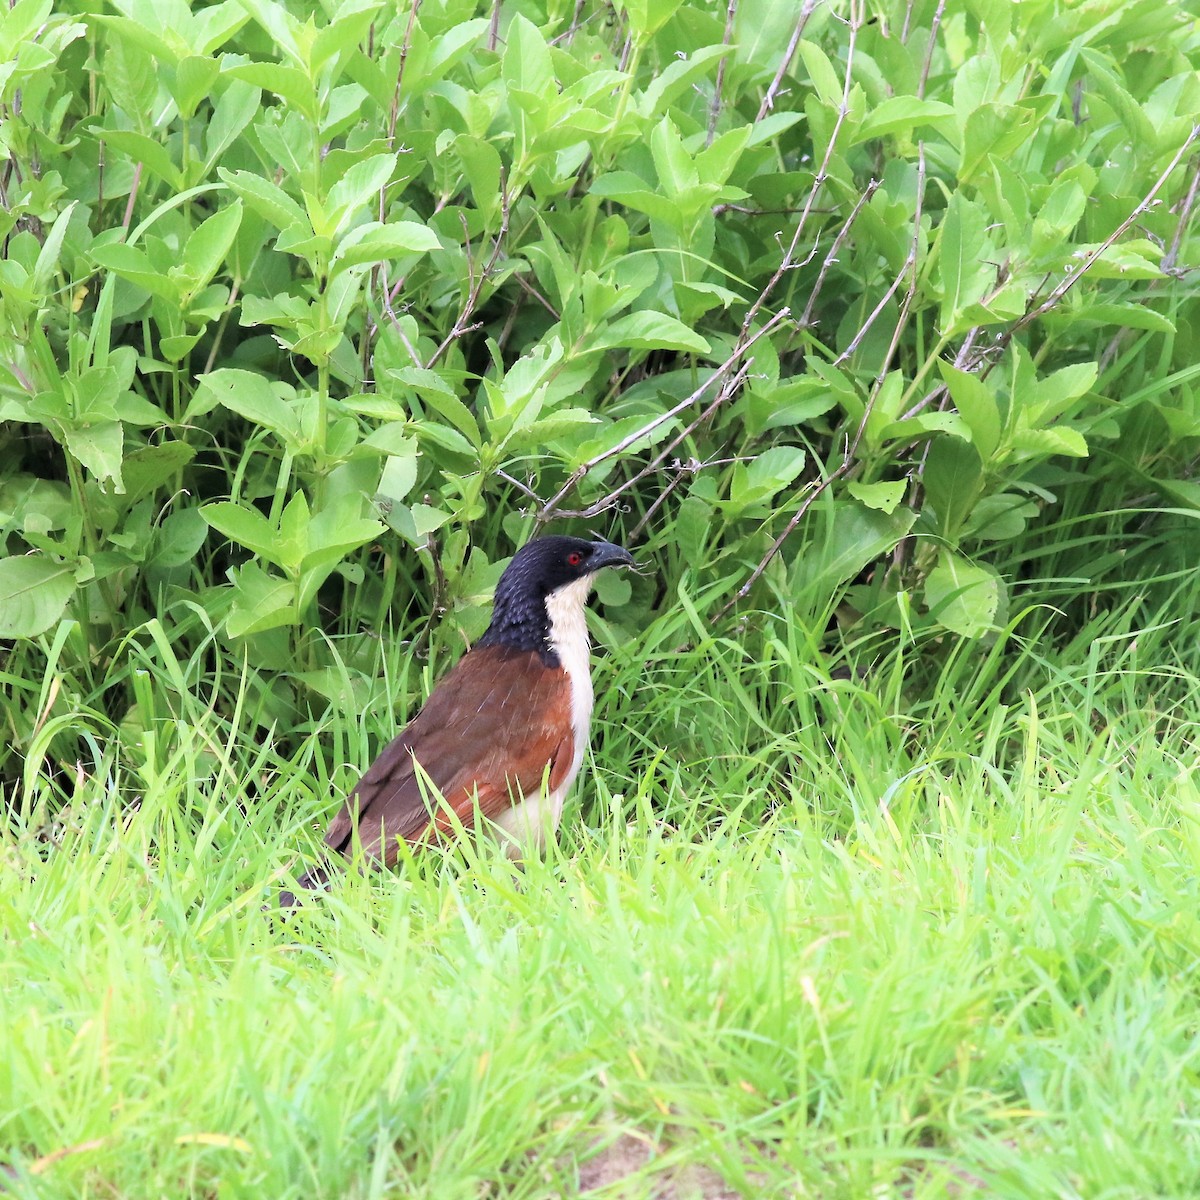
504, 732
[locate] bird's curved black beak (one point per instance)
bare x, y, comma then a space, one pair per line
608, 554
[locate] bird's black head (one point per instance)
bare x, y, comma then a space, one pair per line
539, 569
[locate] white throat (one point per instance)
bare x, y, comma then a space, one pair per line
567, 610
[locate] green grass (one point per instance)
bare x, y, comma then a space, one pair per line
802, 936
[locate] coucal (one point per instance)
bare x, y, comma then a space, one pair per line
503, 733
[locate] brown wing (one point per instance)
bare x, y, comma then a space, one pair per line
492, 728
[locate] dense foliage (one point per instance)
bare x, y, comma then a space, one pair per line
871, 326
310, 314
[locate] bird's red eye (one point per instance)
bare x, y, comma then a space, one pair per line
574, 558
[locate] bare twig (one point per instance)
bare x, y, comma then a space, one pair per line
530, 290
574, 27
768, 101
523, 488
222, 325
683, 470
983, 359
851, 451
865, 328
1090, 258
777, 544
728, 388
911, 263
476, 279
1185, 214
714, 109
133, 192
394, 113
820, 177
831, 256
933, 32
494, 27
551, 508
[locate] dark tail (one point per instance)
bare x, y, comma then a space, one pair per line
316, 880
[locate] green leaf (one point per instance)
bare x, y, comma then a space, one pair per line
233, 110
953, 477
977, 406
994, 131
244, 525
850, 538
269, 201
98, 447
677, 175
677, 76
883, 496
194, 78
903, 114
526, 66
962, 596
415, 524
647, 330
132, 264
289, 83
261, 601
1052, 395
209, 243
436, 393
398, 476
251, 396
770, 472
334, 532
820, 70
146, 470
963, 272
342, 34
48, 257
350, 194
153, 155
374, 243
1042, 443
33, 594
1127, 315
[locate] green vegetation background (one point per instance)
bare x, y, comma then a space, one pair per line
869, 326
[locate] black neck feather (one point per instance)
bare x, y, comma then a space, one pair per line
520, 621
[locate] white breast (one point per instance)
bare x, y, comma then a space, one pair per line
529, 823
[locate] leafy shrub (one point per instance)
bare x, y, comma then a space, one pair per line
310, 313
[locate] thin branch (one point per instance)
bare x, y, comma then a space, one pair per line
463, 324
683, 470
576, 24
523, 488
820, 177
851, 451
714, 108
768, 101
530, 290
933, 32
222, 325
550, 508
911, 263
1090, 258
982, 360
1185, 214
494, 27
394, 113
831, 257
133, 192
728, 388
